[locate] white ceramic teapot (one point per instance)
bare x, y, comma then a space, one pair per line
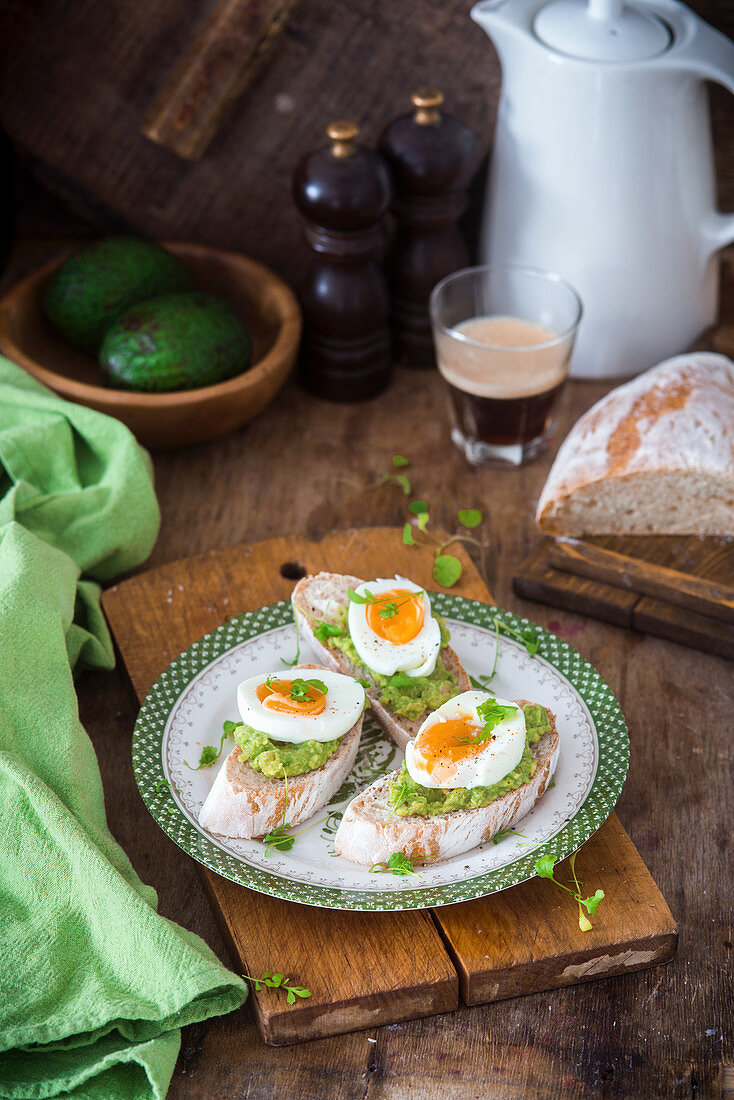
602, 167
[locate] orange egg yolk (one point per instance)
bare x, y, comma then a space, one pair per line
445, 745
396, 616
277, 696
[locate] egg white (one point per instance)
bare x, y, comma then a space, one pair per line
345, 701
498, 757
416, 657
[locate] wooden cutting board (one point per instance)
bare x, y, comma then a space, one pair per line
710, 558
366, 969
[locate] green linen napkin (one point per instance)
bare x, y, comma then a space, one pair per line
94, 984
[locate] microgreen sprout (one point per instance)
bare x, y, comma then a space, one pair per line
544, 868
469, 517
446, 567
397, 794
281, 838
528, 635
503, 833
279, 981
209, 754
356, 597
161, 783
323, 631
300, 689
388, 607
398, 461
419, 509
491, 713
296, 659
446, 570
398, 864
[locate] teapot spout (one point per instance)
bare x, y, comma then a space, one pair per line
500, 18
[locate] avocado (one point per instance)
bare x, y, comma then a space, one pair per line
274, 758
176, 342
94, 286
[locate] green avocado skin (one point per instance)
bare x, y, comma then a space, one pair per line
95, 286
176, 342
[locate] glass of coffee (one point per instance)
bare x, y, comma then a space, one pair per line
504, 337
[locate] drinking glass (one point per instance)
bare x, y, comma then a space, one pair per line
503, 337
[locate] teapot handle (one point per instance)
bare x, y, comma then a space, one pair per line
710, 56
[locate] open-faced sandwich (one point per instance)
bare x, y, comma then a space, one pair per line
477, 765
296, 744
384, 634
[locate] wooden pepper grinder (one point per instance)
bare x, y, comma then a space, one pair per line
343, 191
432, 158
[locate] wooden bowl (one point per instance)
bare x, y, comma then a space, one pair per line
266, 305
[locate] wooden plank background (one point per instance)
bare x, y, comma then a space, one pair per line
77, 79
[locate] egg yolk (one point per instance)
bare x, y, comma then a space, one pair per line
445, 745
396, 616
277, 696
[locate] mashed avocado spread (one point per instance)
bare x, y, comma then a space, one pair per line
276, 758
408, 797
406, 696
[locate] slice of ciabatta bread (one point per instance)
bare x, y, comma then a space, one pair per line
370, 832
320, 597
245, 803
653, 457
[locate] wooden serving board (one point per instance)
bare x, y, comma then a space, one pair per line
711, 558
366, 969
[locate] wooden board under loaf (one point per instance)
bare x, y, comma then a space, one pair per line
711, 559
366, 969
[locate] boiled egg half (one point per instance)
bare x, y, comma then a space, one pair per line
287, 707
394, 631
447, 753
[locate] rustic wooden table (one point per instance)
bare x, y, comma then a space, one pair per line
656, 1033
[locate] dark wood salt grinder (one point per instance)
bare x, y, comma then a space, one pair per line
343, 191
432, 158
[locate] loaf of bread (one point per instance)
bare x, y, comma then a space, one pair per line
655, 456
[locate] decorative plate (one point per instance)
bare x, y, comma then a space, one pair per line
185, 710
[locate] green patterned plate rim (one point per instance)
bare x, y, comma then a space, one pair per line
556, 660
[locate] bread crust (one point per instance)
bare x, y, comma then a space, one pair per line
655, 456
370, 833
320, 597
245, 803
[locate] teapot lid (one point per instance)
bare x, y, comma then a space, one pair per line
602, 30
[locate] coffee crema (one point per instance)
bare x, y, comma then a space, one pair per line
504, 377
503, 357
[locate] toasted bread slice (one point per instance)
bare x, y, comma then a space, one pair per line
245, 803
369, 832
320, 597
